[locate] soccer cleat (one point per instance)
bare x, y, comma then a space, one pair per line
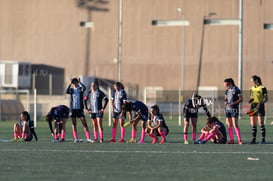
96, 141
21, 140
231, 142
186, 142
155, 140
263, 141
253, 141
76, 140
163, 141
240, 142
202, 142
89, 141
62, 140
112, 140
132, 140
14, 140
121, 141
55, 140
101, 140
140, 142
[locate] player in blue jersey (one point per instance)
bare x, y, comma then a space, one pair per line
141, 113
59, 115
190, 113
157, 125
214, 131
119, 97
24, 130
76, 90
233, 97
94, 104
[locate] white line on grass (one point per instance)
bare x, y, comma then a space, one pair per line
131, 151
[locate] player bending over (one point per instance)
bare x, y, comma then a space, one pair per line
24, 130
190, 113
157, 125
59, 115
141, 113
214, 131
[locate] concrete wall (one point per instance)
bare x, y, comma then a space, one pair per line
48, 32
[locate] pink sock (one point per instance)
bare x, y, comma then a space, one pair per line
101, 134
151, 135
238, 132
210, 136
114, 133
87, 133
134, 133
75, 133
163, 135
203, 135
56, 136
16, 135
231, 133
96, 135
193, 136
185, 136
143, 134
24, 135
63, 135
123, 131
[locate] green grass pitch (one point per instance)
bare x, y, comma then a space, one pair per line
44, 160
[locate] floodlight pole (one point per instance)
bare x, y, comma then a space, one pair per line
120, 40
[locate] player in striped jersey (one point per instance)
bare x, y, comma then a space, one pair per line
93, 103
157, 125
119, 97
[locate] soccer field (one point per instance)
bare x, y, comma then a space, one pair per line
44, 160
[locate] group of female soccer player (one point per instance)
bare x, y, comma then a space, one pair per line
95, 102
215, 129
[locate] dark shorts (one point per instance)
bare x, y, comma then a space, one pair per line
96, 115
232, 113
144, 117
188, 115
61, 114
158, 134
261, 110
116, 115
29, 138
221, 141
77, 113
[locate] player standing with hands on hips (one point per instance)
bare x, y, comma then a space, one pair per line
233, 97
93, 103
258, 96
76, 90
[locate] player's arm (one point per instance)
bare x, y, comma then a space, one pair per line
106, 100
205, 130
83, 87
50, 127
240, 99
265, 95
215, 128
150, 125
68, 90
137, 117
206, 110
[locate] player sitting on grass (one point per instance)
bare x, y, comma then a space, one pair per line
141, 113
214, 131
24, 130
157, 125
59, 115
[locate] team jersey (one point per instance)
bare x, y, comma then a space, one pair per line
139, 107
76, 101
119, 97
93, 100
222, 128
258, 93
193, 109
60, 111
157, 119
232, 95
